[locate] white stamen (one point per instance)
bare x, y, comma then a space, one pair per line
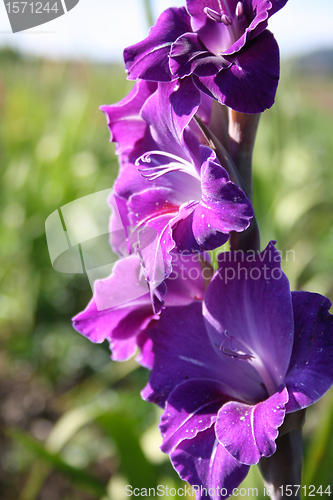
212, 14
239, 11
179, 164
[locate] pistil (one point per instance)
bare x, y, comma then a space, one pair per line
219, 18
245, 353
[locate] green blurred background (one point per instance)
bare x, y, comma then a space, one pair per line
72, 424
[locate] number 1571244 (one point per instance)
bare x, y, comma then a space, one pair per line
32, 7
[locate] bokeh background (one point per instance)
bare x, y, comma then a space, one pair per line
72, 424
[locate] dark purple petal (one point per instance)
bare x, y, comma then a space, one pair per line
191, 408
123, 119
253, 285
188, 55
249, 84
223, 208
249, 432
205, 109
310, 373
149, 59
203, 462
179, 354
223, 39
183, 351
258, 11
179, 102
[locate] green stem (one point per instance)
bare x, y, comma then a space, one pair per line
242, 132
282, 471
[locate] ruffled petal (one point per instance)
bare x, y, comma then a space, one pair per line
189, 55
249, 432
310, 373
123, 350
223, 208
145, 356
191, 408
120, 307
148, 59
187, 234
249, 84
123, 119
203, 462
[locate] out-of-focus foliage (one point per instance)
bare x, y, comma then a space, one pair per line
72, 424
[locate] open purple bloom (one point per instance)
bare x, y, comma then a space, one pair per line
222, 44
169, 180
227, 377
121, 309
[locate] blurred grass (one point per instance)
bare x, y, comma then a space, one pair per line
69, 418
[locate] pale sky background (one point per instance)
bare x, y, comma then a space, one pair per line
101, 29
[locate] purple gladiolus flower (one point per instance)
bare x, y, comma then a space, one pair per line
121, 309
222, 44
169, 179
227, 376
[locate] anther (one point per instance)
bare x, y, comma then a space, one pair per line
226, 20
212, 14
239, 11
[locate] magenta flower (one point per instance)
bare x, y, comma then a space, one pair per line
169, 181
223, 45
228, 376
121, 309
